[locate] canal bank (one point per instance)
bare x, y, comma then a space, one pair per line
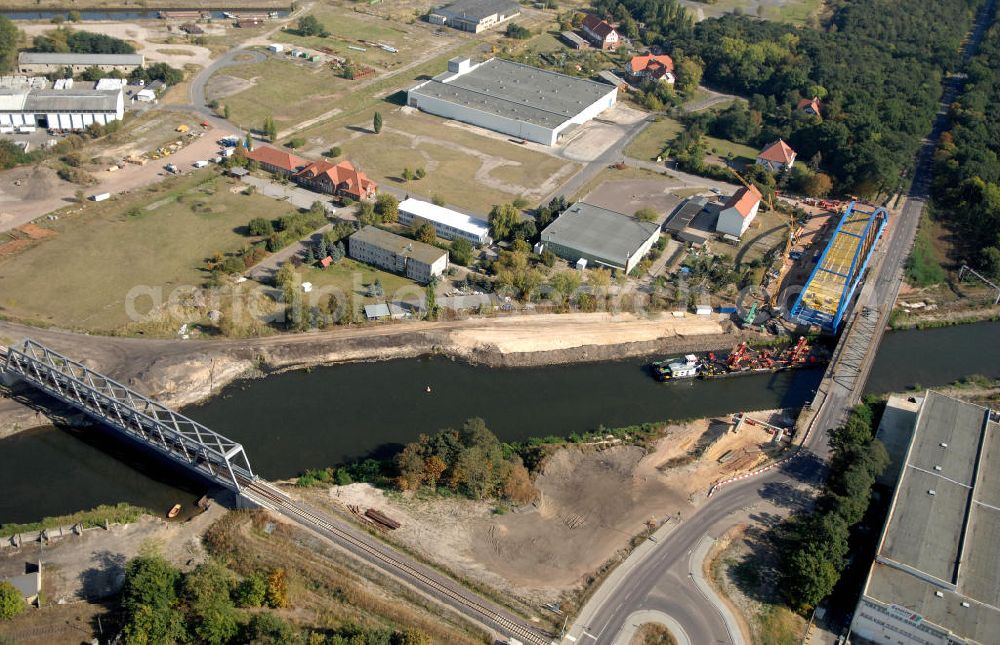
327, 415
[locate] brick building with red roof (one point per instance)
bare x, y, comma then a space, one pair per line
777, 157
600, 32
276, 161
338, 179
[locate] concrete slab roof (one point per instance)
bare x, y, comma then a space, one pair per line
69, 58
399, 245
599, 232
946, 543
517, 91
72, 100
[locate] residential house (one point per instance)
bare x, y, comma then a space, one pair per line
277, 162
810, 106
777, 157
337, 179
651, 67
738, 211
599, 32
418, 261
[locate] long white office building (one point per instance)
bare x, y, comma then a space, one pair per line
448, 224
63, 109
514, 99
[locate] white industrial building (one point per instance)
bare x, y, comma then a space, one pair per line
599, 237
474, 15
936, 575
65, 109
43, 63
448, 224
514, 99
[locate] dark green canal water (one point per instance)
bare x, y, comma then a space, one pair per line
298, 420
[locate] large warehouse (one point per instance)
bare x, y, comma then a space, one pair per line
70, 109
936, 575
600, 236
43, 63
511, 98
474, 15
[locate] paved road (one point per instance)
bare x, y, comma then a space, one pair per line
841, 389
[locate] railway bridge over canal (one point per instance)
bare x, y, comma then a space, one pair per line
224, 462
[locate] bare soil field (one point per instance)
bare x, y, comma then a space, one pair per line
592, 500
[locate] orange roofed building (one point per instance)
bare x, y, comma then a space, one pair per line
276, 161
738, 211
777, 157
810, 106
600, 32
340, 179
651, 67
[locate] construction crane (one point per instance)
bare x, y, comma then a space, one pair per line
770, 202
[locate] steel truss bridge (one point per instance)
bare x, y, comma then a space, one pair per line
831, 286
151, 424
224, 462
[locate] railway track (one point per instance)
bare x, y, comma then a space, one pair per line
270, 497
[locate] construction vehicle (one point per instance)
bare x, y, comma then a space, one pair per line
182, 128
751, 315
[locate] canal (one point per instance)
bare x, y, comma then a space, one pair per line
324, 416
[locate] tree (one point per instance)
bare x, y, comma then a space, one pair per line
419, 173
431, 301
270, 129
646, 214
225, 111
406, 175
266, 628
503, 218
261, 226
566, 283
377, 122
366, 213
277, 589
461, 251
437, 200
11, 601
149, 600
73, 16
333, 152
248, 142
387, 207
517, 32
817, 185
296, 142
211, 616
425, 232
311, 26
688, 72
251, 591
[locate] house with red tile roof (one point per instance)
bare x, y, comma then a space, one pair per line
651, 67
340, 180
738, 211
777, 157
810, 106
326, 262
276, 161
600, 32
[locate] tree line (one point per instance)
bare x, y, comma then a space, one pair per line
815, 545
967, 161
65, 40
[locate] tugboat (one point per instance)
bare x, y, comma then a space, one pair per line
677, 368
174, 510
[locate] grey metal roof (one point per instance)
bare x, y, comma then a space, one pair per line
517, 91
946, 542
72, 100
599, 232
681, 218
68, 58
399, 245
478, 9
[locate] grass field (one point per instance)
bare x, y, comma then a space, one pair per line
357, 30
80, 277
352, 278
290, 92
650, 142
467, 169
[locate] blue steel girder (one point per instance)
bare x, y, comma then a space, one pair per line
868, 238
873, 231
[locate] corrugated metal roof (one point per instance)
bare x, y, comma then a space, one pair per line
72, 101
12, 100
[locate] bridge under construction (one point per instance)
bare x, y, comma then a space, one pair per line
833, 282
223, 461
